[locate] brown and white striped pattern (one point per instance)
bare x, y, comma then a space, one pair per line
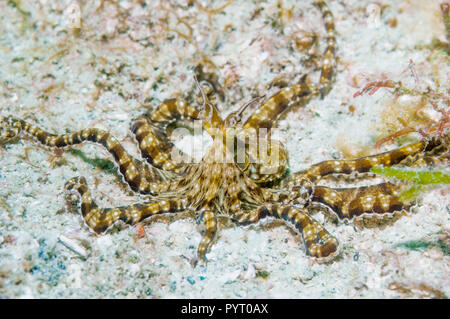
318, 242
138, 175
349, 203
226, 188
100, 219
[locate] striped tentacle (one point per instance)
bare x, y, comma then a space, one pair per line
100, 219
293, 194
247, 217
172, 110
318, 242
210, 221
359, 165
436, 153
151, 133
267, 114
329, 56
348, 203
7, 132
269, 168
139, 176
265, 164
270, 111
427, 161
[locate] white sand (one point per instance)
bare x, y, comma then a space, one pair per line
101, 77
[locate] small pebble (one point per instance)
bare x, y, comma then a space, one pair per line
190, 280
250, 273
73, 246
230, 277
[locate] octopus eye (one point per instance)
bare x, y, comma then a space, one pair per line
206, 87
242, 166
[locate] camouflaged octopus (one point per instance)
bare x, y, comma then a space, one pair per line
240, 191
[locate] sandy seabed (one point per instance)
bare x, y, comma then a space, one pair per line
68, 65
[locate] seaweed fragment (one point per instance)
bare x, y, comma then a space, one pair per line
422, 179
102, 164
264, 274
422, 245
428, 115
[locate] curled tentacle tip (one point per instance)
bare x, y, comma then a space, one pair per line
326, 252
71, 183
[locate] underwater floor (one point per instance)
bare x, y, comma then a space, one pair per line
68, 65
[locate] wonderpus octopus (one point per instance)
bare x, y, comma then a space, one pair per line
248, 190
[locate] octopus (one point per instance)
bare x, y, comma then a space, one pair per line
238, 180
